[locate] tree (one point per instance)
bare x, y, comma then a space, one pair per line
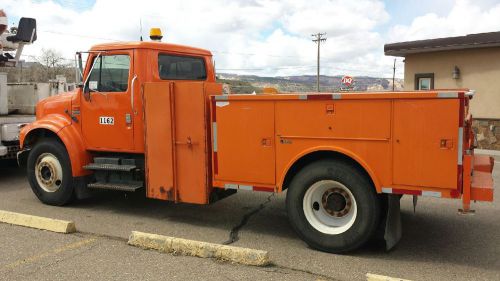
52, 62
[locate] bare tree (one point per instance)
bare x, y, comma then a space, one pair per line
52, 62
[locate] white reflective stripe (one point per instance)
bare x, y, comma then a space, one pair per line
223, 97
246, 187
460, 145
230, 186
336, 96
387, 189
235, 186
447, 95
214, 132
302, 97
432, 194
221, 103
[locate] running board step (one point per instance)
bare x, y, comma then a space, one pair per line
115, 186
109, 167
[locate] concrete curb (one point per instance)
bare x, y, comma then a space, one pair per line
375, 277
42, 223
199, 249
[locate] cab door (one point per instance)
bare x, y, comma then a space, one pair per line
106, 105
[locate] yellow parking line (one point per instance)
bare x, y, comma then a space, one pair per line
65, 248
376, 277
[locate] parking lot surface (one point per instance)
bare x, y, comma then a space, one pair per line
437, 243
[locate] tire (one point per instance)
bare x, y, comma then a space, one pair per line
49, 172
333, 206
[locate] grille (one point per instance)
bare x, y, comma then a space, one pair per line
11, 152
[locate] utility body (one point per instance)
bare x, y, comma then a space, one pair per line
12, 42
151, 115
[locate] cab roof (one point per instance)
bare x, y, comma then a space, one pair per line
150, 45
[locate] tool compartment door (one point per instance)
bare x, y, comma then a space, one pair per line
244, 142
159, 149
175, 143
191, 155
426, 141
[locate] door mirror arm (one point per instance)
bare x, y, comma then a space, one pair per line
86, 88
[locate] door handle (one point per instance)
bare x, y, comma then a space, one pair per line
265, 142
189, 142
446, 144
132, 84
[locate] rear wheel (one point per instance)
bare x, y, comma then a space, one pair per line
333, 206
49, 172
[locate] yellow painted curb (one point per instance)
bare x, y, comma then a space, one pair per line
199, 249
53, 225
375, 277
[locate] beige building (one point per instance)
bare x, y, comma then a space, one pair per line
471, 61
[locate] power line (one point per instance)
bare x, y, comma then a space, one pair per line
252, 54
318, 39
291, 67
80, 35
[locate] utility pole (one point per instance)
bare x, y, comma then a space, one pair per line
393, 74
318, 38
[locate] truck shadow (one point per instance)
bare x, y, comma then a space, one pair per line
10, 173
444, 238
224, 214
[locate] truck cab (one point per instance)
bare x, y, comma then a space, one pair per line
150, 116
104, 124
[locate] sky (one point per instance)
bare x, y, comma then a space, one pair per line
260, 37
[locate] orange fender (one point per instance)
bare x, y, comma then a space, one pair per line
340, 150
67, 133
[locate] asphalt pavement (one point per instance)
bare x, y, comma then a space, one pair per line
437, 243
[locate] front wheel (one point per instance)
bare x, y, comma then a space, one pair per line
49, 172
333, 206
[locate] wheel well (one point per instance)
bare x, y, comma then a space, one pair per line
37, 134
320, 155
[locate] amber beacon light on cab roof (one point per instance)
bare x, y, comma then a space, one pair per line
150, 116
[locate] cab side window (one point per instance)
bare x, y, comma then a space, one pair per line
110, 74
172, 67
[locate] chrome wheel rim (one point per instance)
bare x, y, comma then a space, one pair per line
330, 207
49, 173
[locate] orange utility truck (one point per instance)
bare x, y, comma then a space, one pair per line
150, 115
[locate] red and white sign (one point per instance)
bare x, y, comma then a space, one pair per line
347, 80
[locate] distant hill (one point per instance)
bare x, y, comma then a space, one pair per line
304, 83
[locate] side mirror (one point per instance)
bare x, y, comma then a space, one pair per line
86, 91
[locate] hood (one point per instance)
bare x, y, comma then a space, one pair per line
54, 104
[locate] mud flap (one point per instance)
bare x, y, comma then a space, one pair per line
393, 231
22, 157
81, 190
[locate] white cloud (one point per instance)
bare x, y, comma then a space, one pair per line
272, 37
265, 37
464, 18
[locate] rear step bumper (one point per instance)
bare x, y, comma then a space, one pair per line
477, 180
482, 179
